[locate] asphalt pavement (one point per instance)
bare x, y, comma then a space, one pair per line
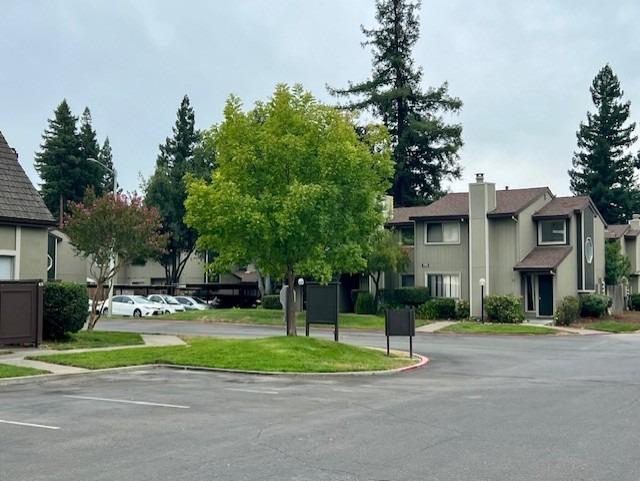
486, 408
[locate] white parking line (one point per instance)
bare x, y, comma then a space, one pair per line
126, 401
30, 425
254, 391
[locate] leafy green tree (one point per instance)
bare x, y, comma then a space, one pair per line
603, 166
166, 189
59, 162
386, 255
425, 147
295, 190
98, 227
617, 266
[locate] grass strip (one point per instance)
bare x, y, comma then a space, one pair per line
511, 329
276, 354
7, 370
91, 339
613, 326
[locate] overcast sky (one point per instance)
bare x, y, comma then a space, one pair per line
522, 69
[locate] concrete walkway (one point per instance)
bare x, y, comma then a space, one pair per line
18, 356
576, 330
434, 326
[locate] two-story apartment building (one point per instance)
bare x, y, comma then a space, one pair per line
627, 236
525, 242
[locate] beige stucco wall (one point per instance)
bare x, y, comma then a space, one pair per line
7, 237
503, 255
442, 259
566, 278
598, 250
33, 253
193, 272
527, 228
71, 267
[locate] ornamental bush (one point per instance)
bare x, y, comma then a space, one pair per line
567, 311
271, 302
634, 302
463, 309
365, 304
405, 296
441, 308
506, 309
65, 309
594, 305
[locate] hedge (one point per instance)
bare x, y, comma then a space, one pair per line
634, 302
505, 309
441, 308
271, 302
594, 305
567, 311
365, 304
405, 296
65, 309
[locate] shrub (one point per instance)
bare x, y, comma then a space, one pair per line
441, 308
594, 305
462, 309
365, 304
507, 309
634, 302
405, 296
567, 311
65, 309
354, 295
271, 302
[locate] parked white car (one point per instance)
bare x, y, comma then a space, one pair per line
168, 303
136, 306
193, 303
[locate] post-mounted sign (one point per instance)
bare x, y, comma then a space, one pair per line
322, 306
400, 322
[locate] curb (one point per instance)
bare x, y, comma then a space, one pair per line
422, 361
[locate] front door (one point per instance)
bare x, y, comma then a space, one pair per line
545, 295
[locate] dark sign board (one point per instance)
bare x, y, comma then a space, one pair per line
322, 305
400, 322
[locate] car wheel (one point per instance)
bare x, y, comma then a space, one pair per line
137, 313
105, 311
167, 312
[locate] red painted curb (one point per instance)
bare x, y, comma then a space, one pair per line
423, 362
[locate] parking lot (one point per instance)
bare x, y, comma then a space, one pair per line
486, 408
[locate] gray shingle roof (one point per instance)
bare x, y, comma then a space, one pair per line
615, 231
543, 258
20, 202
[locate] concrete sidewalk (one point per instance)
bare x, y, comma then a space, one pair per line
18, 357
434, 326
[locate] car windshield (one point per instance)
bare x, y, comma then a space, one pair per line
170, 300
183, 300
142, 299
199, 300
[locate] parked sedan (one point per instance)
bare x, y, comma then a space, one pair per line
193, 303
136, 306
168, 303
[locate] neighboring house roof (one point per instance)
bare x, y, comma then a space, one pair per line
508, 202
402, 215
565, 207
543, 258
616, 231
20, 202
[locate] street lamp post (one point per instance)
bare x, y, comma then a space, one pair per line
482, 284
112, 262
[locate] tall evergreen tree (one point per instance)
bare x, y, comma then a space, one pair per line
603, 166
166, 190
59, 161
106, 158
90, 149
426, 147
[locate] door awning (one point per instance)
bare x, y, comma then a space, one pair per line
543, 258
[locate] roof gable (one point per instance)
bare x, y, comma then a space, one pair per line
20, 202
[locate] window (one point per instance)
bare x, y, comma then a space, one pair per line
406, 236
407, 280
552, 232
443, 285
588, 250
6, 268
443, 233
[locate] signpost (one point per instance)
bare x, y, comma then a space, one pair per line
322, 306
400, 322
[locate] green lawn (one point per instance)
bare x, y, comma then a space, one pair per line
16, 371
89, 339
613, 326
272, 317
478, 328
278, 354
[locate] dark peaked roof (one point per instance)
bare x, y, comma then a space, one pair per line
615, 231
543, 258
508, 202
20, 202
563, 207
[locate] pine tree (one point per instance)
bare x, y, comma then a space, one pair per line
603, 166
166, 190
426, 148
106, 158
59, 161
90, 149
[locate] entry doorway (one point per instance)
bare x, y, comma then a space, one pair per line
538, 294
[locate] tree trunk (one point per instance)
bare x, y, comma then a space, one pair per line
376, 282
268, 287
291, 306
61, 213
98, 296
